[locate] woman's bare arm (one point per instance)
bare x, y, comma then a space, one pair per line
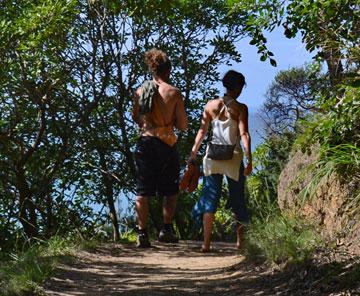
245, 138
204, 127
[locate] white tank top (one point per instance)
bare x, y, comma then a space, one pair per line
225, 132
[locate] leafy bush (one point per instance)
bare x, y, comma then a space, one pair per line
269, 159
337, 133
339, 122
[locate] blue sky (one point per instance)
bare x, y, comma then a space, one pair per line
259, 75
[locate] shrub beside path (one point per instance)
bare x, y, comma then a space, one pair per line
179, 269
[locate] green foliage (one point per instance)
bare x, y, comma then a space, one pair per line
324, 24
33, 133
259, 16
281, 239
67, 75
269, 159
340, 122
128, 237
224, 227
185, 223
329, 26
337, 131
22, 272
345, 156
291, 97
343, 160
273, 236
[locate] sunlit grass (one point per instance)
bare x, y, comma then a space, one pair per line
280, 239
23, 272
342, 159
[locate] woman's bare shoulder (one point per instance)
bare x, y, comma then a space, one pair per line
213, 103
240, 106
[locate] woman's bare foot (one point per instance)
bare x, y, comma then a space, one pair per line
239, 235
207, 250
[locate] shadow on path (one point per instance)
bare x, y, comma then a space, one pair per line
181, 269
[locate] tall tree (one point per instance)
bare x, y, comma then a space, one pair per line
67, 77
329, 27
33, 132
107, 66
291, 97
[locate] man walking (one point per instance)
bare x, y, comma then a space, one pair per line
158, 109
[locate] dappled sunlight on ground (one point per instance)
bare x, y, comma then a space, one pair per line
181, 269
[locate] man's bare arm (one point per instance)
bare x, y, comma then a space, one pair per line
135, 110
181, 120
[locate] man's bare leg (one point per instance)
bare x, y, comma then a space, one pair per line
208, 220
169, 207
142, 210
167, 234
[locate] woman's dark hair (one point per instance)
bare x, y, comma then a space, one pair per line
233, 79
157, 61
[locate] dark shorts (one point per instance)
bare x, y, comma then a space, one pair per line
157, 168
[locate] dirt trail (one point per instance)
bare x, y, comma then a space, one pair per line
181, 269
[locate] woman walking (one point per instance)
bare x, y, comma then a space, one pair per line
224, 156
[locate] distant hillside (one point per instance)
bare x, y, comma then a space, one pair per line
256, 127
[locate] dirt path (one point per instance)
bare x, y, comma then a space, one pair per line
116, 269
180, 269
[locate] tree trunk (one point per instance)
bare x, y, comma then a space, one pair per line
109, 194
124, 136
27, 213
49, 216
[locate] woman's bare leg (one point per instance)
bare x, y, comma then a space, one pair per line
208, 220
239, 235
